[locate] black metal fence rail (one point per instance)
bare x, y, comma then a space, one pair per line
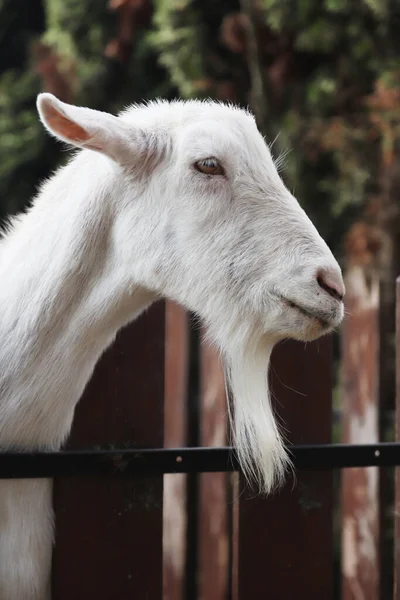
24, 465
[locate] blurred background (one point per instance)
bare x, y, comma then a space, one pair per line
323, 79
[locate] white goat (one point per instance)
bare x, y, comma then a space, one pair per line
180, 200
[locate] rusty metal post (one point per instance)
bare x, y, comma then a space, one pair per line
176, 375
213, 514
109, 529
360, 487
396, 595
285, 540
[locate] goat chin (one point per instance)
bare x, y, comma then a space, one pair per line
259, 444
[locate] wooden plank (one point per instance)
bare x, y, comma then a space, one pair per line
285, 540
213, 512
234, 567
193, 440
396, 594
109, 530
360, 487
176, 380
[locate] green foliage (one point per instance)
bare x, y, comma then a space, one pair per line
20, 131
22, 138
78, 31
74, 34
177, 39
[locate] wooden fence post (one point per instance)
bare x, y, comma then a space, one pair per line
109, 529
360, 487
213, 514
285, 540
176, 380
396, 595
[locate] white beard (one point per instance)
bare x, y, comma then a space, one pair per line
261, 452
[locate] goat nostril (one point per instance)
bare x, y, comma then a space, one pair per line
332, 283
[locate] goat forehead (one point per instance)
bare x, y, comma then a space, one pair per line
209, 127
173, 115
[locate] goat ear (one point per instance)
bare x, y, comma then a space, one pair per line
85, 127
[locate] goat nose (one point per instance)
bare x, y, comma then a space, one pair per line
331, 281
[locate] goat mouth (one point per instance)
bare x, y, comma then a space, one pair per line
306, 312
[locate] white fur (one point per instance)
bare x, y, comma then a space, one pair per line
127, 221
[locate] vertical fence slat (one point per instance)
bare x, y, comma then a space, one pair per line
396, 594
234, 591
213, 512
176, 376
285, 547
109, 529
193, 440
360, 487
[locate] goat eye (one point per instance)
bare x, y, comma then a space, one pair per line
209, 166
